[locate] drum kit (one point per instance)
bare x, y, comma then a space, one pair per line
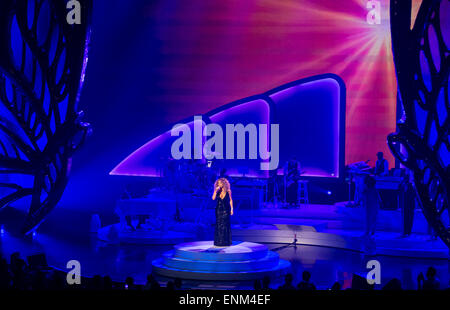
189, 175
196, 176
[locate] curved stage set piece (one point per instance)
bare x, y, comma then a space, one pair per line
319, 99
201, 260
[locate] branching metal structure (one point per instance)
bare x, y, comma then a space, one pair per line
42, 66
421, 143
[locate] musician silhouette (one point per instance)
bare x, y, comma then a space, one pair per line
381, 166
371, 204
292, 173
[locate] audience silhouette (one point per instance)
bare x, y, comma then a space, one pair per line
287, 283
178, 284
393, 285
19, 275
257, 285
266, 283
305, 285
336, 286
430, 283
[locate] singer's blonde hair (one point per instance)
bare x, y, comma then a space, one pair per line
225, 183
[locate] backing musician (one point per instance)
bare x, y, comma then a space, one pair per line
381, 166
292, 174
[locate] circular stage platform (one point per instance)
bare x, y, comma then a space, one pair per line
202, 260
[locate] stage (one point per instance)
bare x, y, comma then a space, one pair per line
311, 134
97, 257
329, 245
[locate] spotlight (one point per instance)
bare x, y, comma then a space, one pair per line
329, 192
2, 229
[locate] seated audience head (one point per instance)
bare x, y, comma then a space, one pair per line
178, 283
336, 286
266, 282
107, 283
257, 285
129, 282
150, 278
170, 286
288, 278
393, 285
306, 276
97, 282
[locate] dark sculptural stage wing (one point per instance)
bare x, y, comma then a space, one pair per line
42, 67
422, 62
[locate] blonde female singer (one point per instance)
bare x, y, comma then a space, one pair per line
224, 209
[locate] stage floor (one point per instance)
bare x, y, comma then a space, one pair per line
326, 265
333, 226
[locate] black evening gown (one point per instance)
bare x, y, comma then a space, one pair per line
222, 234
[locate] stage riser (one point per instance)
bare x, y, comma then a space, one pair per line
281, 269
268, 262
208, 263
227, 258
